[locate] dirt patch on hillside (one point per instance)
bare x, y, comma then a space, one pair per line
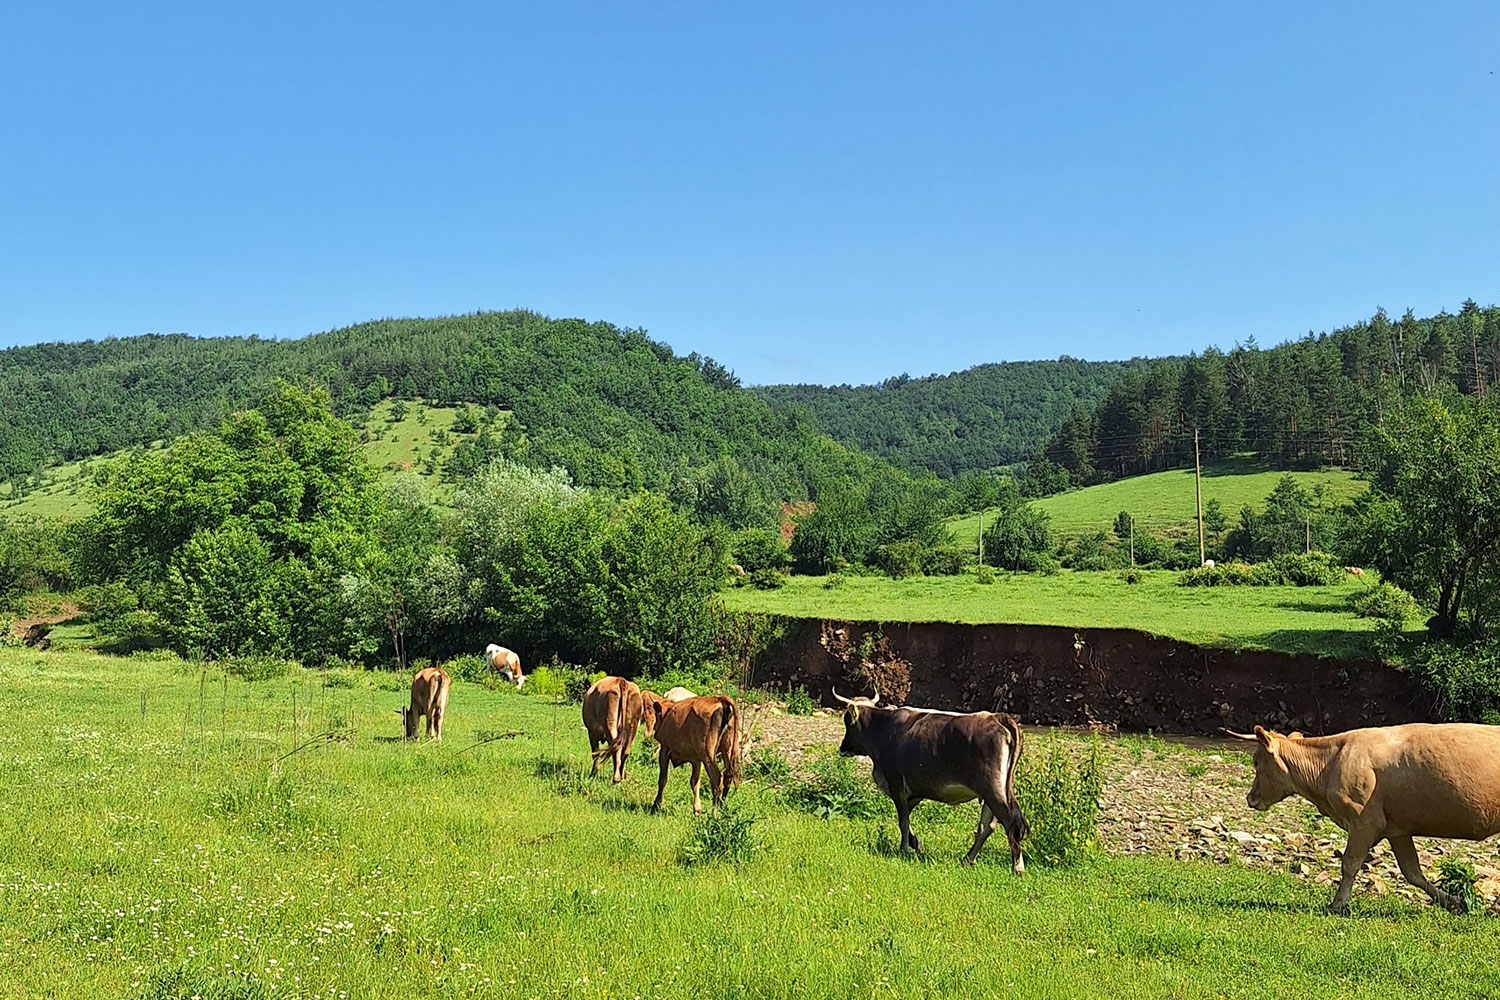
1167, 799
1109, 678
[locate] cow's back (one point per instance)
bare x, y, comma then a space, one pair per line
947, 745
1430, 780
610, 700
686, 728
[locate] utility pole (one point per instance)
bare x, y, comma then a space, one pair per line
981, 535
1307, 547
1198, 481
1132, 542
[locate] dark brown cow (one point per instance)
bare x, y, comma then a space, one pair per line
696, 731
429, 697
921, 753
1387, 783
613, 708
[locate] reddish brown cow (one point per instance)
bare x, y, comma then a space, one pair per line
613, 708
429, 697
697, 731
1387, 783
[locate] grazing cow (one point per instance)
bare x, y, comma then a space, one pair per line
678, 694
1354, 570
429, 697
612, 710
506, 663
696, 731
921, 753
1391, 783
1208, 564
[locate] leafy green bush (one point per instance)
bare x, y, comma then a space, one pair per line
768, 764
721, 836
1314, 569
799, 702
945, 560
759, 548
983, 574
105, 602
900, 559
1463, 678
834, 788
1061, 802
259, 667
546, 682
1456, 878
1387, 602
1131, 575
471, 667
1226, 576
834, 581
766, 579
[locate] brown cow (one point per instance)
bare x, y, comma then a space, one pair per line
1388, 783
504, 662
696, 731
612, 710
429, 697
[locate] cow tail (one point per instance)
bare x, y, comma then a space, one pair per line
732, 755
617, 720
1017, 818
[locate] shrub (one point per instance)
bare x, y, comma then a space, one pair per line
835, 581
259, 668
1131, 575
1314, 569
759, 548
471, 667
900, 559
799, 702
1456, 878
834, 788
947, 560
1061, 802
1387, 602
546, 682
983, 574
766, 579
1464, 679
723, 835
769, 765
105, 602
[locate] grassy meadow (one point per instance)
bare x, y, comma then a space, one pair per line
163, 839
1164, 502
393, 446
1288, 619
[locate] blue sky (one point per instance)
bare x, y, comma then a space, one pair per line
807, 192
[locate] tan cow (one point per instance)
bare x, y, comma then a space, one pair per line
429, 697
679, 694
696, 731
1389, 783
613, 708
504, 662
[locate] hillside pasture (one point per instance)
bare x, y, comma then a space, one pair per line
1163, 503
1313, 620
393, 446
166, 838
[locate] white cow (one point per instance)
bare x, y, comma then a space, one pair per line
506, 663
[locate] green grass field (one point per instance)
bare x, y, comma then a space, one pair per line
394, 445
1164, 502
1289, 619
155, 847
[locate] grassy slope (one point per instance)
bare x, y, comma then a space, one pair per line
1163, 502
163, 855
406, 440
1290, 619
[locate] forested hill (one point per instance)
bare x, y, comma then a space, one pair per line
1303, 402
986, 416
614, 407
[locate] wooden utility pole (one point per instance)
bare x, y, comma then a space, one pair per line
1307, 548
1198, 481
981, 536
1132, 542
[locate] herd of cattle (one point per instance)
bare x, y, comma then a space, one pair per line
1388, 783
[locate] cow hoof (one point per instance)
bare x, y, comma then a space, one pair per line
1339, 909
1454, 904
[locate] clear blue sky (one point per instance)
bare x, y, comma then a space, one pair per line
807, 192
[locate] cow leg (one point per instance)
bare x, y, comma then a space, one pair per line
437, 725
697, 783
1356, 848
903, 821
987, 824
1411, 867
715, 782
622, 756
594, 753
661, 786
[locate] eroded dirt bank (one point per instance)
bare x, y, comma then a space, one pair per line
1114, 678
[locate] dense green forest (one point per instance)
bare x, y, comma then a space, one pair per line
975, 420
1305, 403
613, 407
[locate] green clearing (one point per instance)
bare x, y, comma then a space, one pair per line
1289, 619
394, 445
157, 847
1164, 502
154, 850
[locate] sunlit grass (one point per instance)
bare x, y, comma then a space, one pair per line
1290, 619
154, 846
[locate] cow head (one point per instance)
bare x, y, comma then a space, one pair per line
856, 720
409, 721
652, 706
1273, 781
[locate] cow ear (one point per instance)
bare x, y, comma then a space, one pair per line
1294, 736
1267, 738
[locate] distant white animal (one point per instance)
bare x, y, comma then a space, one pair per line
1208, 564
679, 694
505, 662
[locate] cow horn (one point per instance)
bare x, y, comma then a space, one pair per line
875, 700
839, 697
1238, 736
